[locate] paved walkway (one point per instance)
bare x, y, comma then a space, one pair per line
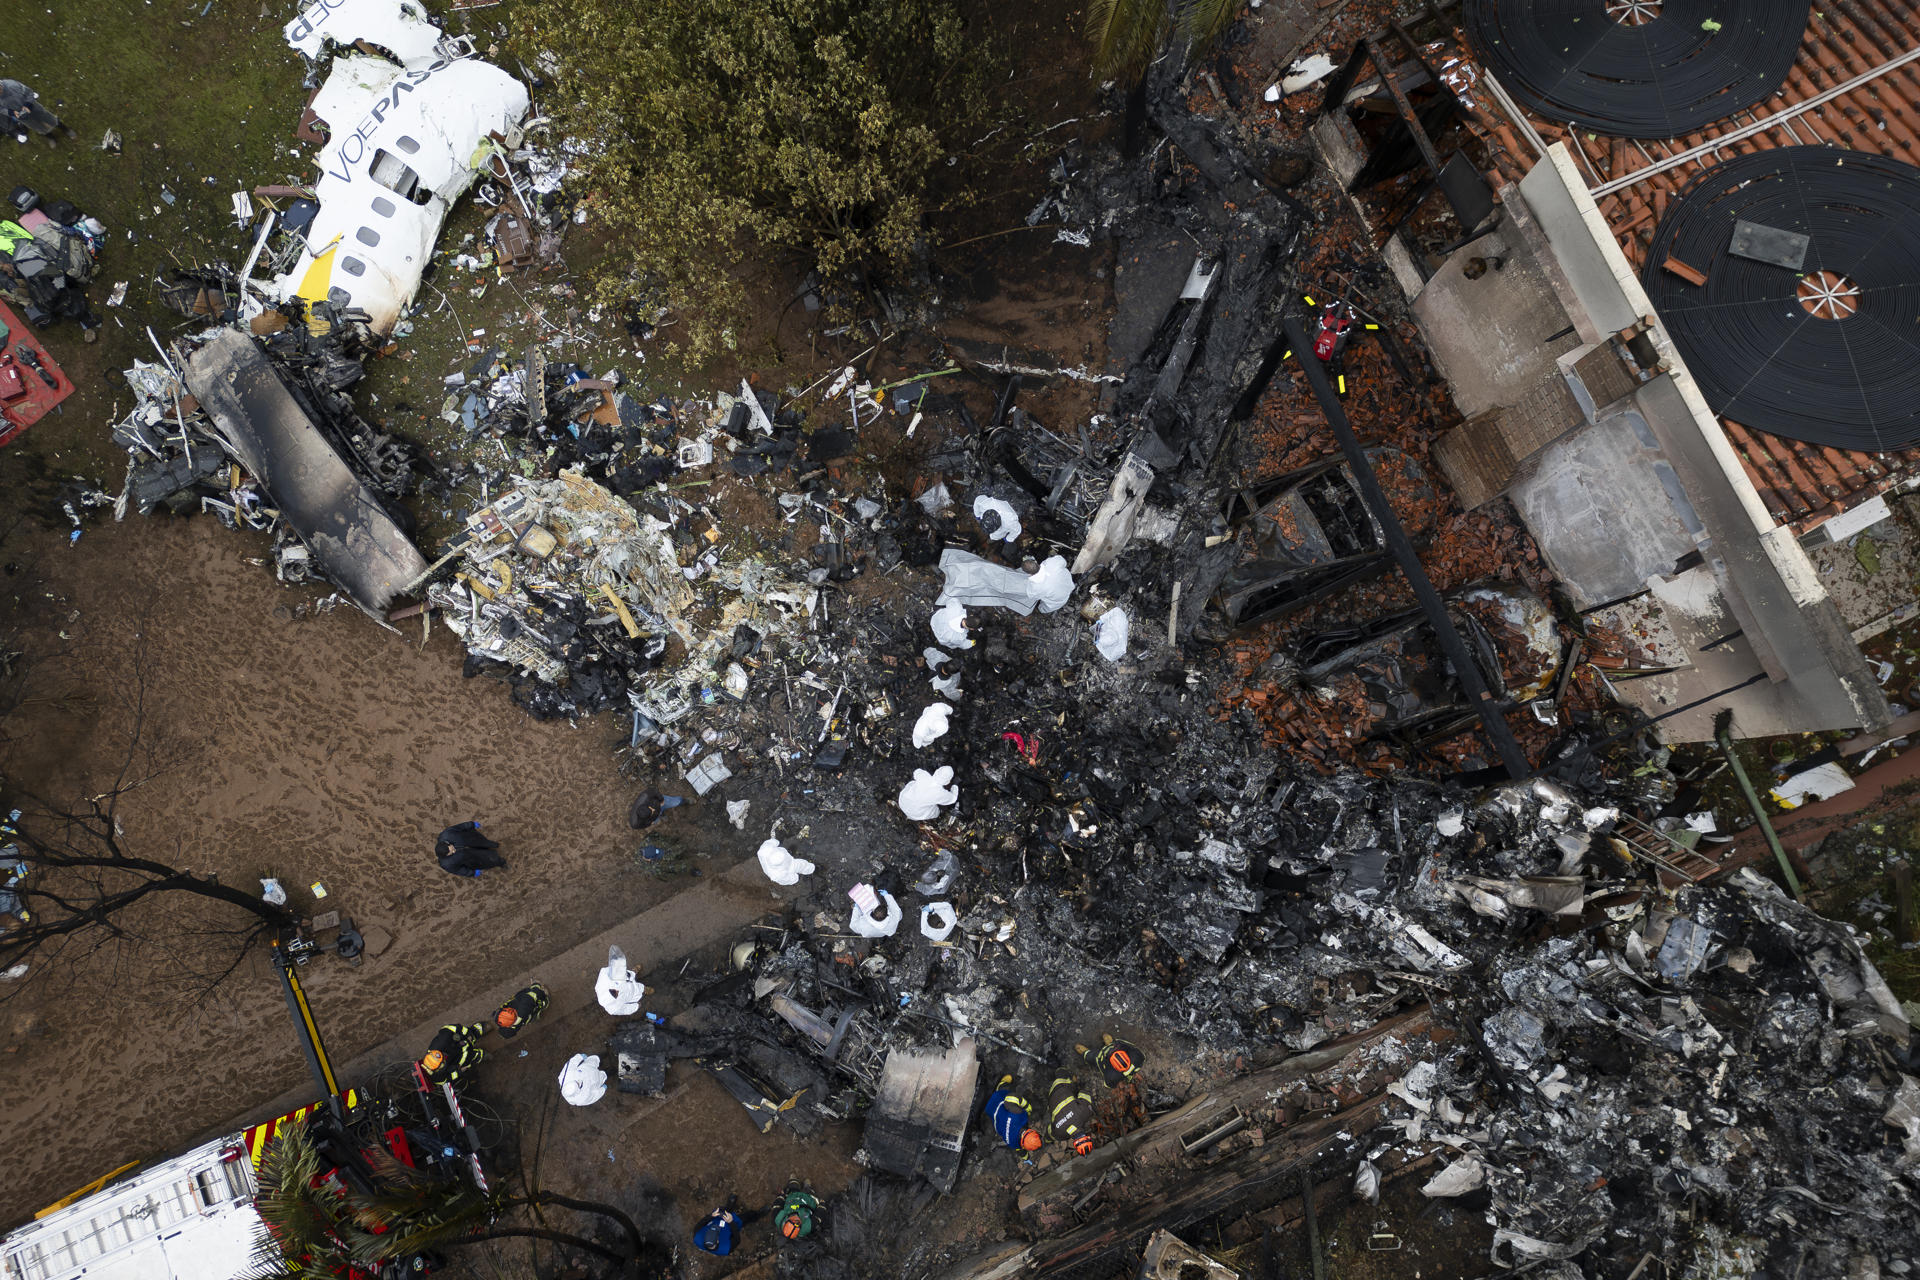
709, 911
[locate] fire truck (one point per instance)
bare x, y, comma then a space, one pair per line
192, 1216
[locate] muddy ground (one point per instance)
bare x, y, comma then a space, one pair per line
319, 748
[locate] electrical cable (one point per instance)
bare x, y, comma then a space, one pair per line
1829, 354
1656, 69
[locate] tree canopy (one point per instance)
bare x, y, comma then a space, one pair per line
717, 129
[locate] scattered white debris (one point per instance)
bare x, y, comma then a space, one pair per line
1305, 71
1819, 783
274, 892
1469, 1173
1110, 634
737, 813
1366, 1181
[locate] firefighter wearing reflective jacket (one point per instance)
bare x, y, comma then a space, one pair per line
1011, 1118
1070, 1112
453, 1051
517, 1014
1116, 1060
798, 1214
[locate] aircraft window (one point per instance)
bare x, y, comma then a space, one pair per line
383, 206
353, 266
406, 144
394, 174
367, 236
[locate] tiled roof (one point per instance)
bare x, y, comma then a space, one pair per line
1801, 484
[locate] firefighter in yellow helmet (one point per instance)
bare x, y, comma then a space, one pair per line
1070, 1113
454, 1050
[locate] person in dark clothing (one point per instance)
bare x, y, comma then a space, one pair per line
1117, 1060
1011, 1116
648, 807
519, 1013
463, 851
22, 110
453, 1050
722, 1227
1070, 1112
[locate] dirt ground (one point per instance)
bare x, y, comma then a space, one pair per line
322, 749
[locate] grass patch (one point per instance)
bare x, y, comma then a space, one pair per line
205, 98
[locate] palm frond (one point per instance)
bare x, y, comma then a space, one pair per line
1200, 22
1125, 34
408, 1211
296, 1239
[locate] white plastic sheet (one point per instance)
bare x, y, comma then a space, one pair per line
782, 867
618, 987
950, 625
932, 724
1469, 1173
582, 1082
971, 580
922, 797
1110, 634
1007, 525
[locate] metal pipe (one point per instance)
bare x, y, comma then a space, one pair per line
1747, 131
1722, 736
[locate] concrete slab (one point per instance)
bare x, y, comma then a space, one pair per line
1489, 336
1726, 673
1596, 506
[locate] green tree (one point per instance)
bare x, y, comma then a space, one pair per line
1127, 33
316, 1227
713, 130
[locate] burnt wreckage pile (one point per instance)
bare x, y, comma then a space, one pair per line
264, 433
1633, 1063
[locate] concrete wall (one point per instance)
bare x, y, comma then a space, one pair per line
1797, 636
